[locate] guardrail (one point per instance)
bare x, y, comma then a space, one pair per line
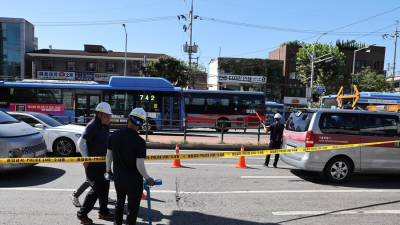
221, 125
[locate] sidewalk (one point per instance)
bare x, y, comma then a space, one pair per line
205, 143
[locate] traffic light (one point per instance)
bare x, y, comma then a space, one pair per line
315, 97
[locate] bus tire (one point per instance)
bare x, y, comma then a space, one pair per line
150, 125
338, 170
64, 147
219, 125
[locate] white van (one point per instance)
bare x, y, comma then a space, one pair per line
324, 127
19, 140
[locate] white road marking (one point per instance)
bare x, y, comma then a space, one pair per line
299, 213
279, 177
224, 192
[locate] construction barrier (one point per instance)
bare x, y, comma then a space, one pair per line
193, 155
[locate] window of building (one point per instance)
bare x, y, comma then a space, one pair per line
293, 58
294, 92
91, 66
111, 67
294, 76
376, 65
360, 63
71, 65
134, 68
47, 64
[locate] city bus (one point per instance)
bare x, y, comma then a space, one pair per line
77, 99
365, 99
271, 108
207, 109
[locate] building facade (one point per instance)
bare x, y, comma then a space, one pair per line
17, 37
240, 74
94, 63
293, 87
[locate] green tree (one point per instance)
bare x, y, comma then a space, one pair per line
367, 80
329, 75
174, 70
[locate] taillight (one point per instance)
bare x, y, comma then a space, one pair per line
310, 140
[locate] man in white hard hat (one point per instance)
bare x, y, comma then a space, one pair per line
127, 150
92, 143
275, 142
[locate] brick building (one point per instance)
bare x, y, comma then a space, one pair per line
94, 63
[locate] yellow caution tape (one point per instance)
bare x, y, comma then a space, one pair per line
191, 156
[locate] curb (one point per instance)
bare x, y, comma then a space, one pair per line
218, 147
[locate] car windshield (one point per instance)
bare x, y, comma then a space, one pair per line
48, 120
5, 118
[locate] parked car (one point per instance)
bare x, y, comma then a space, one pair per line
324, 127
19, 140
60, 138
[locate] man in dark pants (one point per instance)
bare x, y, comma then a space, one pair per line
93, 142
127, 150
275, 138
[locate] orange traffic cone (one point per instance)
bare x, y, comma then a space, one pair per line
177, 162
144, 196
241, 162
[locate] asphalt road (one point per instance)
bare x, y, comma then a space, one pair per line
210, 191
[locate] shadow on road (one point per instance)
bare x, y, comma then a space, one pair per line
187, 217
33, 176
366, 181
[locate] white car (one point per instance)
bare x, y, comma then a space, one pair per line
59, 137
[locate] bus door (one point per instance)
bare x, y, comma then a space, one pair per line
170, 113
85, 106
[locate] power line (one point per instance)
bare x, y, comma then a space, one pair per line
143, 20
279, 11
327, 32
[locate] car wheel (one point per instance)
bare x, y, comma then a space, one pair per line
64, 147
338, 170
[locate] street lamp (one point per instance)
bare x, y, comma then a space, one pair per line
354, 59
126, 43
312, 64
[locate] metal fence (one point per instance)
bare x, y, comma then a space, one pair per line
222, 126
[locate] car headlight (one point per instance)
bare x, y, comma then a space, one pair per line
78, 135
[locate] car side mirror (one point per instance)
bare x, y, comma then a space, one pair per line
39, 125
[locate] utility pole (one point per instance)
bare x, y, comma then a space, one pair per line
190, 48
394, 57
395, 45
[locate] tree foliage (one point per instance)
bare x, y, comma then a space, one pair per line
329, 75
295, 42
367, 80
174, 70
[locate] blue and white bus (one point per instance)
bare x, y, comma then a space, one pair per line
271, 108
160, 99
365, 99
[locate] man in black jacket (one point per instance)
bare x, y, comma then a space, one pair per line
127, 151
92, 143
275, 138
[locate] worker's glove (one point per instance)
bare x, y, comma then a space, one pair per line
109, 176
150, 181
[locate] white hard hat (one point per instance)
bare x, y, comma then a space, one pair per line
139, 115
104, 107
277, 116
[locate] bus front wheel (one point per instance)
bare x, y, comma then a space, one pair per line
219, 125
149, 125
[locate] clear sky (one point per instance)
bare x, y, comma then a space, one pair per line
226, 28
